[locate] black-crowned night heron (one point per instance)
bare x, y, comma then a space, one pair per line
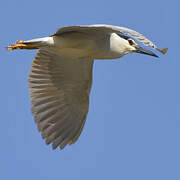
61, 74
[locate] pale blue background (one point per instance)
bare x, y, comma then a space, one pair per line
133, 126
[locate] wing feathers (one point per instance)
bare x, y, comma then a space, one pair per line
59, 90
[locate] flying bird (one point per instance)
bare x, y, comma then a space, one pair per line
60, 78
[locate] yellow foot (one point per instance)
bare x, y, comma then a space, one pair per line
19, 45
23, 45
20, 42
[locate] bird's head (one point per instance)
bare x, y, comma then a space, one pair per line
132, 46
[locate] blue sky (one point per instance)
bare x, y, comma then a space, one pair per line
132, 130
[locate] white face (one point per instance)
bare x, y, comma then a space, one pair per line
121, 46
131, 45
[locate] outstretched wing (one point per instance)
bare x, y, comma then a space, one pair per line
59, 90
103, 28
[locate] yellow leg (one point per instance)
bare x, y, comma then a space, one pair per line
21, 45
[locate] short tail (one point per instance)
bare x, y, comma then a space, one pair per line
31, 44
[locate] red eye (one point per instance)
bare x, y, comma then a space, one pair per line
130, 42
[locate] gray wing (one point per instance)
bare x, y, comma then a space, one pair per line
59, 90
103, 28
